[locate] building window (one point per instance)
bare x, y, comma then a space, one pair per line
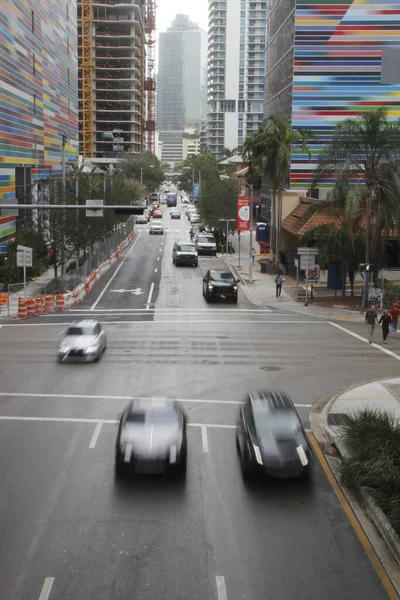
33, 63
228, 105
241, 107
34, 104
33, 21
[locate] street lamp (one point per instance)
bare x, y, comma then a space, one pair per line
250, 186
227, 230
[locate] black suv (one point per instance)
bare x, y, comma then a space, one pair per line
271, 438
222, 285
185, 253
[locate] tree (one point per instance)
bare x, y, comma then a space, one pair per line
364, 149
218, 201
143, 167
228, 153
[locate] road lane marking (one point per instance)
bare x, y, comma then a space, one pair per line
95, 435
168, 321
363, 339
46, 589
376, 563
150, 295
115, 274
221, 588
160, 250
158, 258
204, 438
126, 398
155, 271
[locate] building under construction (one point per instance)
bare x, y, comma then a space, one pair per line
113, 105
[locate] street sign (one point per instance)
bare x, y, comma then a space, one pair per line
243, 214
305, 250
24, 256
307, 262
136, 291
313, 274
296, 262
94, 213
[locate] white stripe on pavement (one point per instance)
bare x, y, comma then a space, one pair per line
150, 295
46, 589
204, 438
155, 271
115, 274
95, 435
187, 321
221, 588
363, 339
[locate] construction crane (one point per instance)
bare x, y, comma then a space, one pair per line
149, 126
87, 78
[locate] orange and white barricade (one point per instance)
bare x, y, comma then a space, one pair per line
22, 309
39, 306
60, 304
49, 304
30, 307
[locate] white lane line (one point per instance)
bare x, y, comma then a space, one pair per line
221, 588
158, 258
95, 435
204, 438
173, 310
160, 250
363, 339
115, 274
126, 398
155, 271
170, 321
46, 589
150, 295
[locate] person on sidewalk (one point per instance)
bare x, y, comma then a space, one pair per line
385, 321
371, 317
253, 254
394, 313
278, 281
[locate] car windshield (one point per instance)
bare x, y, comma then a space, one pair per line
281, 424
156, 222
222, 276
207, 239
186, 248
87, 330
152, 417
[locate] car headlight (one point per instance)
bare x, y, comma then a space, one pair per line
210, 286
235, 288
92, 350
172, 454
64, 349
302, 455
258, 454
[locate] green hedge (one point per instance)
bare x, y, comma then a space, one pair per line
373, 440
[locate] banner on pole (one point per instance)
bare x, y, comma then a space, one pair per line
243, 214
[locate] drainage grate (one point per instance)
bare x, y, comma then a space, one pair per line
339, 419
271, 368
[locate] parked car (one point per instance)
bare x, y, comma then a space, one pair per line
151, 438
82, 341
195, 229
219, 284
185, 253
194, 217
205, 243
270, 437
156, 227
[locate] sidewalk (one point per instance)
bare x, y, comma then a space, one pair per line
326, 418
262, 291
33, 288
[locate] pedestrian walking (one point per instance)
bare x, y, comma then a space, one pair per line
278, 281
253, 254
394, 313
385, 321
371, 317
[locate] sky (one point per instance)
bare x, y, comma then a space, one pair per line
167, 9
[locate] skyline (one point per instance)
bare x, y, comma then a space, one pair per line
167, 9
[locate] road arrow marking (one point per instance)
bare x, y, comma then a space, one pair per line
136, 291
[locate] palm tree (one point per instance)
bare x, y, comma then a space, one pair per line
364, 149
227, 153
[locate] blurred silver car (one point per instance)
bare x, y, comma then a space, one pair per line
83, 341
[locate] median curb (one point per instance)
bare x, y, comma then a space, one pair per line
363, 505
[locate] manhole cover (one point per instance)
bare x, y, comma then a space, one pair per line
267, 368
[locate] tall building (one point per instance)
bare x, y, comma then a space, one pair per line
38, 97
235, 72
181, 84
114, 35
326, 62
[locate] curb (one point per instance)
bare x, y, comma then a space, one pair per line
324, 434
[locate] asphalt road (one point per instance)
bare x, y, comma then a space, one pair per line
69, 532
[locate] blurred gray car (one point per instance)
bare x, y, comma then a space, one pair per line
83, 341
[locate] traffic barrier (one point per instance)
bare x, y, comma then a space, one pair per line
49, 304
30, 307
22, 309
60, 304
39, 307
68, 299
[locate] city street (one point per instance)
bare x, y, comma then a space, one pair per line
69, 531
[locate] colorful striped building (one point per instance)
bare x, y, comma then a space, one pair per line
38, 96
326, 61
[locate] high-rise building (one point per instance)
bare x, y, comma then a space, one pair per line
181, 84
38, 97
235, 72
112, 93
326, 62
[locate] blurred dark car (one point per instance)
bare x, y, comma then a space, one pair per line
152, 438
271, 438
221, 285
195, 229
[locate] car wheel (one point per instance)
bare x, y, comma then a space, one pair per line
196, 264
118, 469
245, 467
181, 469
97, 357
237, 444
235, 300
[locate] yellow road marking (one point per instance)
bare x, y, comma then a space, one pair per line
383, 576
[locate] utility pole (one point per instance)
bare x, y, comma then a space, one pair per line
63, 144
251, 233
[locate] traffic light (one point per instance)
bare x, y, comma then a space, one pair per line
64, 139
130, 209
